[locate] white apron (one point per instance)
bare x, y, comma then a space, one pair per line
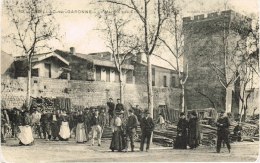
64, 130
25, 136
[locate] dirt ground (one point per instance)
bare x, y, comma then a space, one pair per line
59, 151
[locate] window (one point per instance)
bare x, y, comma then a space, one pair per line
47, 70
108, 75
103, 74
35, 72
116, 76
98, 74
129, 76
165, 81
173, 81
153, 76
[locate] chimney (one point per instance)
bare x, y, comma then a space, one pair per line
139, 57
111, 57
72, 51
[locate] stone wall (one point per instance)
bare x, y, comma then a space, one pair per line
13, 92
204, 50
85, 93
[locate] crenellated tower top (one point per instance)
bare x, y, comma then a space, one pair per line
218, 21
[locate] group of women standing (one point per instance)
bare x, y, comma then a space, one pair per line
63, 129
188, 132
53, 125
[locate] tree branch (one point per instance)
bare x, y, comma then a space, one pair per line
166, 61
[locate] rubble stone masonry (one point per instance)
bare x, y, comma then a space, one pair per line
85, 93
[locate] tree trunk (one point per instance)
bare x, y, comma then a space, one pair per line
149, 85
182, 99
241, 112
244, 115
121, 86
228, 102
29, 78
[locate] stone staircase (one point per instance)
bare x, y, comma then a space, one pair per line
107, 133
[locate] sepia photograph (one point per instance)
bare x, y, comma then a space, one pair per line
129, 81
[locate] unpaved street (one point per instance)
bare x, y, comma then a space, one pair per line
54, 151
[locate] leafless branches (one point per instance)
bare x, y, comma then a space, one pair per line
152, 17
33, 22
34, 26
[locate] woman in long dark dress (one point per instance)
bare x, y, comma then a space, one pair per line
117, 142
194, 131
181, 138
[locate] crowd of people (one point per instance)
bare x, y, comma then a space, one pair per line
49, 125
88, 124
188, 132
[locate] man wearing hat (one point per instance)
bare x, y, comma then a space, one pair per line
193, 131
88, 116
223, 131
111, 107
131, 127
119, 106
147, 127
96, 127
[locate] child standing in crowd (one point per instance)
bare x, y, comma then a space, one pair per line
237, 132
161, 122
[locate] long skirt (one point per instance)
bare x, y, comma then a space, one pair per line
80, 133
181, 142
25, 135
193, 140
64, 130
117, 142
55, 129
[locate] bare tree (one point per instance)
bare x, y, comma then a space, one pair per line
246, 78
250, 68
234, 50
122, 44
34, 26
175, 47
152, 17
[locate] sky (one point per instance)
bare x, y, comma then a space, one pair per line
79, 30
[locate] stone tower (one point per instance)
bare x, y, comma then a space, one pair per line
213, 46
